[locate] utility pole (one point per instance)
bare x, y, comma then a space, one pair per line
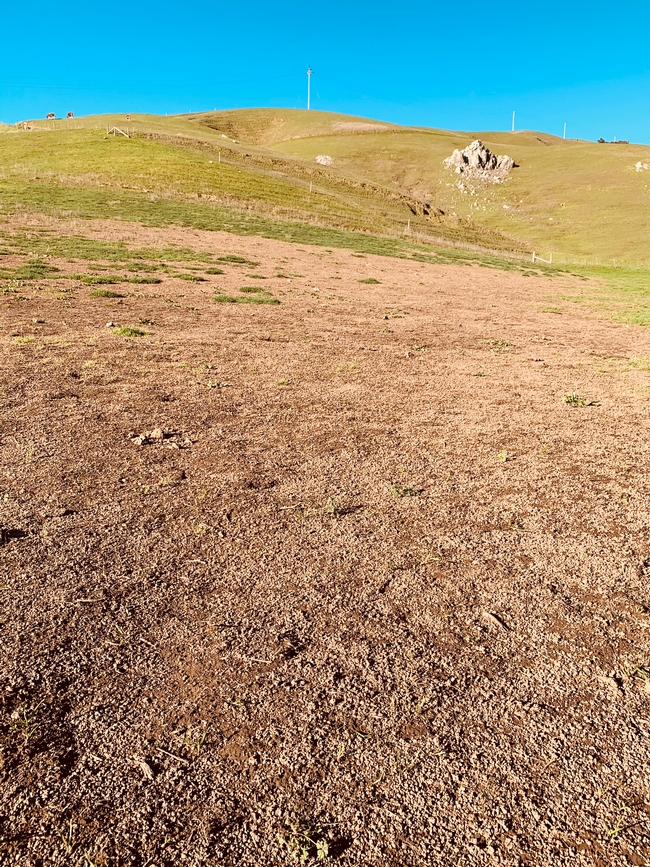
513, 121
309, 75
564, 136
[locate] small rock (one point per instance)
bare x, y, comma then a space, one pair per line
495, 620
156, 434
324, 160
110, 325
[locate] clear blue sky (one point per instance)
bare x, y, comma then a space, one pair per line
425, 63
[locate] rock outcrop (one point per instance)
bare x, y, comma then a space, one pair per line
478, 163
324, 160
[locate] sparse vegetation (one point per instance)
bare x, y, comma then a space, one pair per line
129, 331
99, 279
400, 491
574, 399
232, 259
303, 842
106, 293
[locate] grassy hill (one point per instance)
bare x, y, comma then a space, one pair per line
254, 170
581, 199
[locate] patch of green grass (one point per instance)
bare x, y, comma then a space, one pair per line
152, 281
303, 842
574, 399
130, 331
214, 271
256, 276
641, 363
369, 280
257, 299
191, 278
99, 280
400, 491
106, 293
251, 289
232, 259
34, 270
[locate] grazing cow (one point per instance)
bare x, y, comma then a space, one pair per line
70, 114
51, 116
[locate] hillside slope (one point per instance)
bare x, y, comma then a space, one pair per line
577, 198
583, 201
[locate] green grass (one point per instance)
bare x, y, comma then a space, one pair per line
370, 280
105, 293
251, 289
237, 260
222, 298
103, 279
130, 331
580, 199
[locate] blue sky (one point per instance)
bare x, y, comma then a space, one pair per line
427, 63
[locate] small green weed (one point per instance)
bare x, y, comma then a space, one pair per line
251, 289
130, 331
370, 280
574, 399
256, 276
191, 278
399, 491
194, 742
499, 344
25, 720
225, 299
67, 838
303, 842
106, 293
214, 271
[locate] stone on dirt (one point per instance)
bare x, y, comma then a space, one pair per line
324, 160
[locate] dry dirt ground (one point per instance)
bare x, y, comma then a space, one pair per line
369, 589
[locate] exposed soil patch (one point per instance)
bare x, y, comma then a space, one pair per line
345, 568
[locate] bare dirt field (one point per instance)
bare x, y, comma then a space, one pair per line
339, 576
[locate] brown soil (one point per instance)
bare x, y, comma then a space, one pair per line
367, 570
